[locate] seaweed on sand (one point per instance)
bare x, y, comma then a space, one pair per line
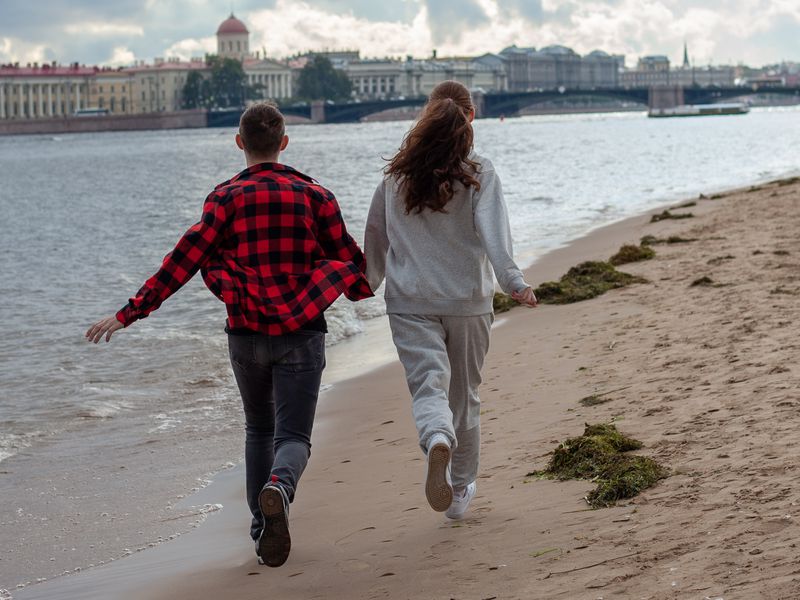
651, 240
600, 455
630, 253
503, 302
584, 281
670, 215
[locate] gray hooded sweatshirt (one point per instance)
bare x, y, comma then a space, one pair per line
438, 263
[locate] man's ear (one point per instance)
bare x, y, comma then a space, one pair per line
239, 143
284, 142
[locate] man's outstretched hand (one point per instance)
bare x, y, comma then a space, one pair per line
526, 297
104, 327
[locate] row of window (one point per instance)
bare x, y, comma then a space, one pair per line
112, 104
177, 80
23, 109
230, 46
262, 78
111, 90
25, 88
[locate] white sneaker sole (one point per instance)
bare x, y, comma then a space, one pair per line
438, 490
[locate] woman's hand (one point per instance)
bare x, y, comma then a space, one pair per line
526, 297
103, 327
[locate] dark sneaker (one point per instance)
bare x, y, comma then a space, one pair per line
438, 489
274, 543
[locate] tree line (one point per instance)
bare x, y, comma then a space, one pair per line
227, 85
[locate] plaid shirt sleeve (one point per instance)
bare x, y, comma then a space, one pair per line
339, 245
179, 266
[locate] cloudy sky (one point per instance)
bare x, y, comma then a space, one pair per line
117, 32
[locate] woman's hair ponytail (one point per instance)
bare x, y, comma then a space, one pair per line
435, 153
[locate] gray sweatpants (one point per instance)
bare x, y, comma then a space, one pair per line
443, 357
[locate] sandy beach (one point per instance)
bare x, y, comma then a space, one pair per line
706, 376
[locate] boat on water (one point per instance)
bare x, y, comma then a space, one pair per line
700, 110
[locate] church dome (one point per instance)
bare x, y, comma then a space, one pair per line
232, 25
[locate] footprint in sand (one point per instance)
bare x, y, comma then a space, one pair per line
353, 565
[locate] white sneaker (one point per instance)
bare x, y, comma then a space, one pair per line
461, 502
438, 490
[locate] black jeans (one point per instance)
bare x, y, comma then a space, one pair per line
278, 378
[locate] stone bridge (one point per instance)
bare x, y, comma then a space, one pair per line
511, 103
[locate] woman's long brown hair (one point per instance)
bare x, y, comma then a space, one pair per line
434, 154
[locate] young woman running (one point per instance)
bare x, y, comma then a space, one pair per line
437, 221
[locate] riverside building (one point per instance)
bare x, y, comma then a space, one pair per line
387, 78
50, 90
553, 67
44, 91
272, 78
656, 70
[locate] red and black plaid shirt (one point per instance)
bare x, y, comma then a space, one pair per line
272, 245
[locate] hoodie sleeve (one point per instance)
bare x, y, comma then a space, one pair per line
376, 240
491, 222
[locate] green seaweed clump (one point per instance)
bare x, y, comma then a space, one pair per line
625, 477
584, 281
599, 455
503, 302
630, 253
676, 239
670, 215
651, 240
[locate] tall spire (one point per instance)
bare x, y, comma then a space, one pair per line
685, 55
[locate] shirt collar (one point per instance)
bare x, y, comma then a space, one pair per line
274, 167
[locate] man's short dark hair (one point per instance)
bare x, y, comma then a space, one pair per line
262, 129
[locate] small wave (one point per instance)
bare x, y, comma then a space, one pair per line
100, 410
12, 444
166, 423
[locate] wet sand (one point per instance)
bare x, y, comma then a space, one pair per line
705, 376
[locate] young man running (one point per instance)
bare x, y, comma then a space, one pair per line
272, 245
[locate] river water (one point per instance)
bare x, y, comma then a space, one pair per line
86, 218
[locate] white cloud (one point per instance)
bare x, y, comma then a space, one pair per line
631, 27
13, 50
192, 47
121, 57
100, 29
293, 27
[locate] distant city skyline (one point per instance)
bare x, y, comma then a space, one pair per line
119, 33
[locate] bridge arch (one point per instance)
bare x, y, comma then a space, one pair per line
495, 105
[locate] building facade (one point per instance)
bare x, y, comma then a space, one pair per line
233, 39
42, 91
554, 67
35, 92
379, 79
271, 78
112, 90
656, 71
159, 87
